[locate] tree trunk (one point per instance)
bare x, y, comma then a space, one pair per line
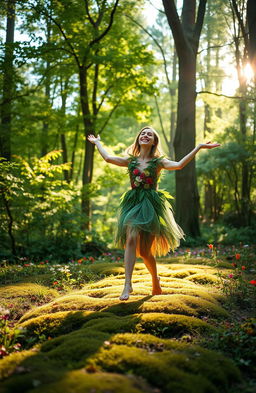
245, 189
186, 34
10, 224
187, 197
89, 149
6, 112
251, 21
173, 103
74, 153
45, 128
62, 124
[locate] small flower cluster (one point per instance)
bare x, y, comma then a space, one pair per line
8, 336
141, 179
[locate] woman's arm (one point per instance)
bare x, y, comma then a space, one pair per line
175, 165
120, 161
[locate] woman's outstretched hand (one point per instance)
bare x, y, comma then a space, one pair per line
93, 139
209, 145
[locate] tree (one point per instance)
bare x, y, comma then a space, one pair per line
108, 73
242, 51
7, 94
186, 33
251, 19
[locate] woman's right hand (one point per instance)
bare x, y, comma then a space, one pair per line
93, 139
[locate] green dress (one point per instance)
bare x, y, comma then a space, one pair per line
146, 212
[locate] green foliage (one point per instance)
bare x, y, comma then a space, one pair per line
36, 194
9, 337
237, 340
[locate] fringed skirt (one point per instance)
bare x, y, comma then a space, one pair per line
147, 215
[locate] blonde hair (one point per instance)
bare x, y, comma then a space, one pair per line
156, 150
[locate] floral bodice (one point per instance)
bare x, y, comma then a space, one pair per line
146, 178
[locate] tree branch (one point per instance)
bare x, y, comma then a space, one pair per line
241, 24
199, 21
181, 43
102, 35
88, 13
224, 95
61, 31
104, 95
109, 116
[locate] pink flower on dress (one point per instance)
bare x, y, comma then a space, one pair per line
136, 172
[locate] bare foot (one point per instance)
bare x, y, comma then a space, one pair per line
126, 292
157, 290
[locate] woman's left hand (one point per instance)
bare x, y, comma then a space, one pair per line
209, 145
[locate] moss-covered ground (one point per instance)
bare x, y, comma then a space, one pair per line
87, 340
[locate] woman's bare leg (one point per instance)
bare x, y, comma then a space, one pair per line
150, 263
129, 262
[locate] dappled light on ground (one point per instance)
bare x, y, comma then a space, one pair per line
92, 340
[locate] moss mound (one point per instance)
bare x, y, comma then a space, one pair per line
96, 343
180, 369
96, 382
28, 289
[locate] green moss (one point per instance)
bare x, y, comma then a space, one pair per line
171, 304
97, 382
11, 362
55, 324
163, 325
203, 278
92, 330
26, 290
70, 302
188, 371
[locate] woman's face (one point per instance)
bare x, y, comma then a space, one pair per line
147, 137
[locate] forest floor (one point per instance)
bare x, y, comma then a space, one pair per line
64, 329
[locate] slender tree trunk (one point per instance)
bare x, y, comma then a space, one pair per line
62, 124
6, 112
74, 153
173, 103
251, 21
186, 33
45, 127
89, 149
209, 196
187, 197
245, 189
10, 224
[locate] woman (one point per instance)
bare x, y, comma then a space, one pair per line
146, 225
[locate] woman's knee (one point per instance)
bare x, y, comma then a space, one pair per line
145, 254
131, 241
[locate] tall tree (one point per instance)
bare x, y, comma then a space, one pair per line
242, 50
251, 19
101, 69
7, 94
186, 33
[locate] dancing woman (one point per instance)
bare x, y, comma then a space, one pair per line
146, 226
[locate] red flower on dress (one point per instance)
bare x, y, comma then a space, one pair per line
142, 175
136, 172
149, 180
238, 256
253, 282
210, 246
243, 267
